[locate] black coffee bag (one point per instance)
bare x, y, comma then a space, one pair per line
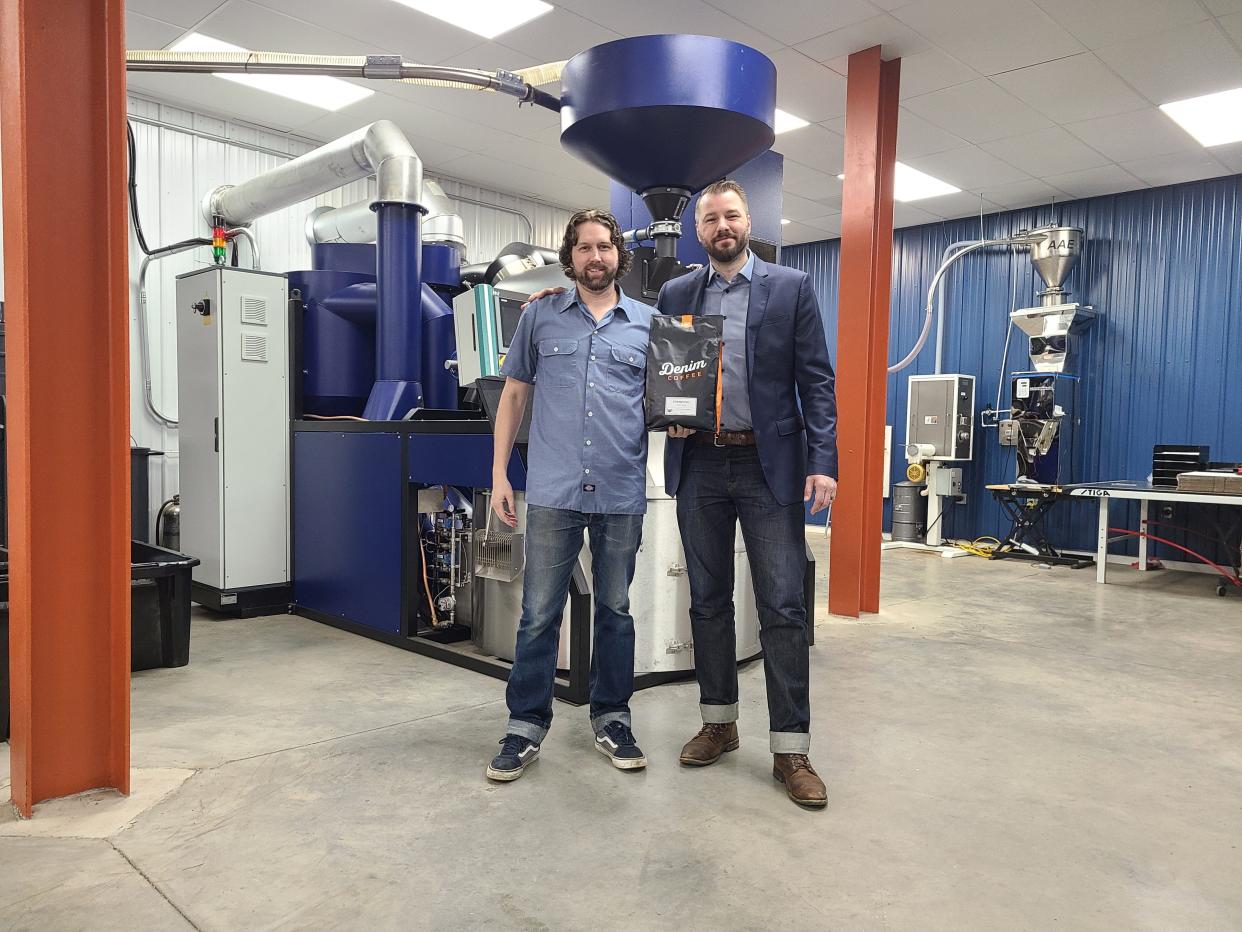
683, 371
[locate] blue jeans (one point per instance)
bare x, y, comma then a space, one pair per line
553, 541
721, 486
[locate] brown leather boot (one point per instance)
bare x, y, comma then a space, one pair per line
712, 740
801, 781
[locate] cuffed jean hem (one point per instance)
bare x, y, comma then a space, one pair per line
789, 742
599, 721
535, 733
718, 714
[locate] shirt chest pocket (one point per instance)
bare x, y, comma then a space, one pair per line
626, 370
558, 362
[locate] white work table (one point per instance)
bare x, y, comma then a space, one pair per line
1144, 493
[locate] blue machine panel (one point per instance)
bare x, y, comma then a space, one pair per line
458, 459
347, 513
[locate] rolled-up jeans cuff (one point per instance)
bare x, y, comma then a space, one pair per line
599, 721
535, 733
789, 742
718, 714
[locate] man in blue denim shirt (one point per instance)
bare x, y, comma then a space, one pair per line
582, 354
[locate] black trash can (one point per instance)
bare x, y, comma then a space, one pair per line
159, 614
159, 606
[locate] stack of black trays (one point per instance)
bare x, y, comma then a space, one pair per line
1169, 460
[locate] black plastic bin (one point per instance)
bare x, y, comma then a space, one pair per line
159, 614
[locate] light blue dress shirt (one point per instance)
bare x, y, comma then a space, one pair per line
732, 300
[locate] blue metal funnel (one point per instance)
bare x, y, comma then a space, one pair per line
665, 112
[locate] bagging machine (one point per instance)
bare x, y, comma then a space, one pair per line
394, 354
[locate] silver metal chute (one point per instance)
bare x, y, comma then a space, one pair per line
356, 223
1055, 252
380, 149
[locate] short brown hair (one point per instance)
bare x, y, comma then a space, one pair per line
720, 187
570, 240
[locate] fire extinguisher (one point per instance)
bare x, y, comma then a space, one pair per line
168, 524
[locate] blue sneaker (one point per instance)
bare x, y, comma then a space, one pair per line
516, 753
617, 741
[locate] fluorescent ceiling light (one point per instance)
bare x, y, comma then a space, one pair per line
784, 221
486, 18
316, 90
1213, 119
787, 121
910, 184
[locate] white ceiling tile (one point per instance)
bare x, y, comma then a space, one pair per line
692, 17
1142, 134
142, 32
1177, 63
933, 71
813, 146
978, 111
895, 38
488, 56
495, 172
1023, 194
556, 36
1174, 169
1076, 88
1048, 151
794, 234
990, 35
1233, 26
952, 206
1103, 22
263, 29
1230, 156
475, 113
917, 137
810, 182
907, 215
801, 209
1219, 7
209, 94
830, 223
380, 24
1107, 179
792, 21
806, 88
183, 13
968, 168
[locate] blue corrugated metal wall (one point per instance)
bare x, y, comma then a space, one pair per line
1163, 267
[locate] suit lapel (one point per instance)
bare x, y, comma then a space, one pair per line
755, 309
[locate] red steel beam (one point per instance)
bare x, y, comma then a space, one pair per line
62, 77
862, 330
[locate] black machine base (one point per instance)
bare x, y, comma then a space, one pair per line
1027, 506
249, 602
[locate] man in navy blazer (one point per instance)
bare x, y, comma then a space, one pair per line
775, 450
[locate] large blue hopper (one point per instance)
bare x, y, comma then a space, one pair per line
664, 114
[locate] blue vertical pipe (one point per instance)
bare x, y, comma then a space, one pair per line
398, 331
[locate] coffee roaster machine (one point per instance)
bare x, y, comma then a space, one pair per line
393, 348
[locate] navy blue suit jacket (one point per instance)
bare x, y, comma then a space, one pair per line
787, 366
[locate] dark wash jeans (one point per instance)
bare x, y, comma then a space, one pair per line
553, 540
721, 486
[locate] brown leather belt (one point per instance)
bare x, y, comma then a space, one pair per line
727, 438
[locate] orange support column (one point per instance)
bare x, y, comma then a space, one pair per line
862, 330
62, 76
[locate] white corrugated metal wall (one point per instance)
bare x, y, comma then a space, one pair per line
189, 154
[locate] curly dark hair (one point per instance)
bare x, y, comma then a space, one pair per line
570, 240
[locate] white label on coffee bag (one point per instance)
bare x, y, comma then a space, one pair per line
681, 407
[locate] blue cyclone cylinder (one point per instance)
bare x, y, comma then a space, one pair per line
398, 327
439, 345
675, 111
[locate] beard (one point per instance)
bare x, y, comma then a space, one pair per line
596, 278
723, 254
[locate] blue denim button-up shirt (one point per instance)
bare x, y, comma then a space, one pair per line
588, 433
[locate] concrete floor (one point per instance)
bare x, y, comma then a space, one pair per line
1005, 747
